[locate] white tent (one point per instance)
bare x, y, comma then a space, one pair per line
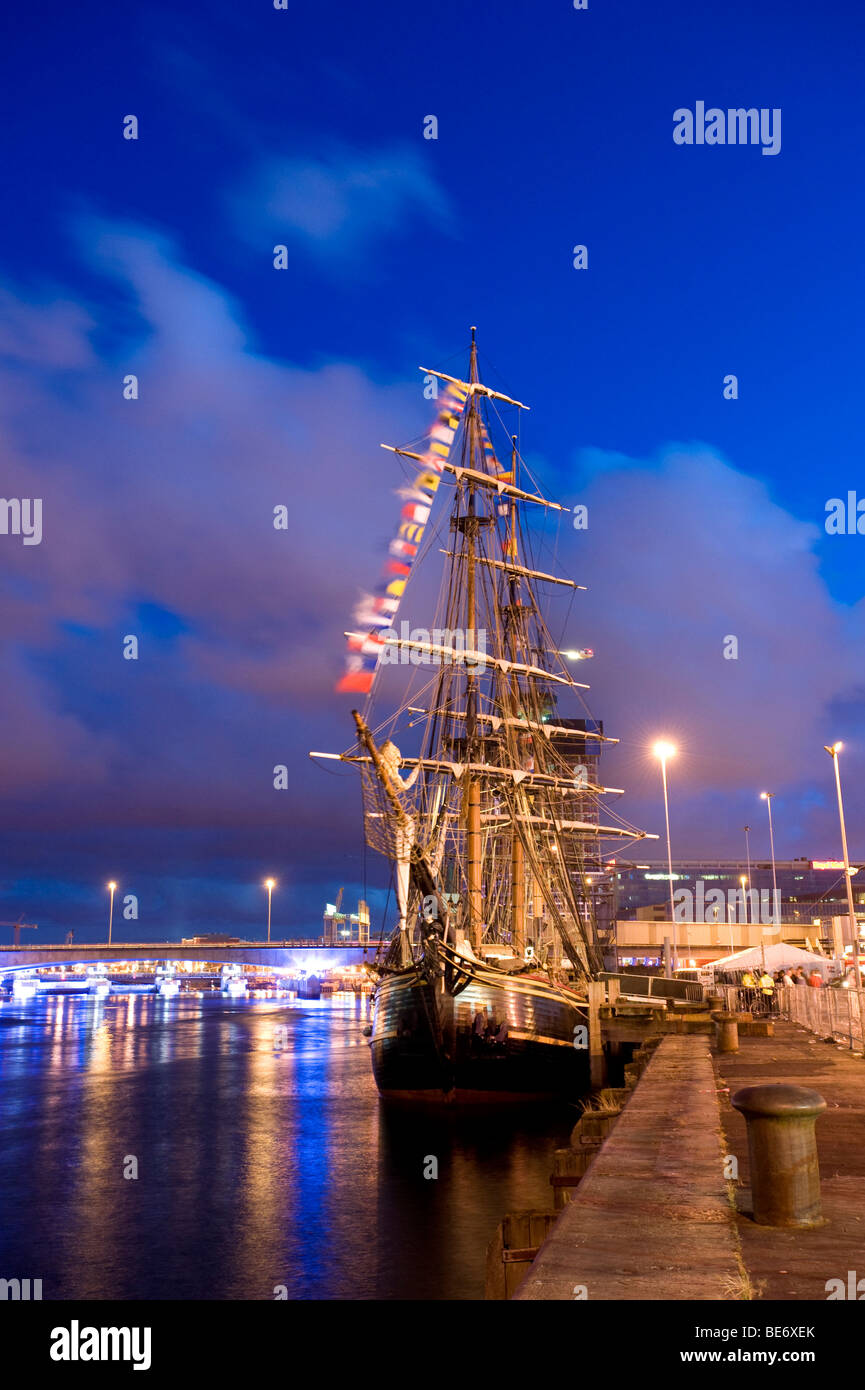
778, 957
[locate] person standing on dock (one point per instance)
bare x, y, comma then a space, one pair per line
767, 989
479, 1027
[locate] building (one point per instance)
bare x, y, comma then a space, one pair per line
341, 927
640, 941
808, 888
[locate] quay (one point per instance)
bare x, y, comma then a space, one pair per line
653, 1197
794, 1264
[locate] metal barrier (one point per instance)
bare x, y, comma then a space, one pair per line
828, 1013
657, 986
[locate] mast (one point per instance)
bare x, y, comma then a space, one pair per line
491, 805
473, 791
518, 868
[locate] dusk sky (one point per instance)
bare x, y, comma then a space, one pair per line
258, 387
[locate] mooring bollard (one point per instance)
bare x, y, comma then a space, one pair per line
727, 1032
782, 1149
715, 1001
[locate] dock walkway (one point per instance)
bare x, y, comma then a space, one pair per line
796, 1265
655, 1218
652, 1218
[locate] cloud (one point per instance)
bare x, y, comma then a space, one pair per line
48, 335
682, 552
339, 205
165, 505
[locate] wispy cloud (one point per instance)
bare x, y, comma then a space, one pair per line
340, 204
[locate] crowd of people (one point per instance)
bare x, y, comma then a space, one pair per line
487, 1034
762, 987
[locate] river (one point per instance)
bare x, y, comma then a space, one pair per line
266, 1164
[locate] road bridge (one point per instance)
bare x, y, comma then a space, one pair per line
311, 955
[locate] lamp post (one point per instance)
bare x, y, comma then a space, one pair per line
112, 888
743, 882
664, 751
767, 797
270, 884
833, 752
748, 862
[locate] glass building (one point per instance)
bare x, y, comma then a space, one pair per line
808, 888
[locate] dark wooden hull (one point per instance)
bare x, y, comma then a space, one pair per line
424, 1049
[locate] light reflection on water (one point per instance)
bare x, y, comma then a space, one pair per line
264, 1158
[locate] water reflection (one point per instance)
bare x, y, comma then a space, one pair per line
264, 1157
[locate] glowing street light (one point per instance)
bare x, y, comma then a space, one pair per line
664, 751
833, 752
112, 888
743, 881
270, 884
767, 797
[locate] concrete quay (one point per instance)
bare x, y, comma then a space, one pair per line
651, 1219
654, 1192
798, 1264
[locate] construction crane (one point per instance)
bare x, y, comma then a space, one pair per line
17, 928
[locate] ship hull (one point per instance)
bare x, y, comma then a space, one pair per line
425, 1048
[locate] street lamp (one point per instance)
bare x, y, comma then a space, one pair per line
112, 887
664, 751
748, 862
767, 797
833, 752
743, 881
270, 884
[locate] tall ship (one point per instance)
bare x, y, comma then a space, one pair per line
479, 765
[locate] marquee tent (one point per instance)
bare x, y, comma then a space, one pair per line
778, 957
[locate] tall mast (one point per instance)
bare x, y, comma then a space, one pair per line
518, 868
473, 791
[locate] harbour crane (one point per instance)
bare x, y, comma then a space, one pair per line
17, 928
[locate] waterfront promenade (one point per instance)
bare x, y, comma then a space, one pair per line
785, 1264
656, 1215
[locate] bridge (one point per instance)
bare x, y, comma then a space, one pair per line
311, 956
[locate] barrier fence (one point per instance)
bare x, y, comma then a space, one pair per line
828, 1013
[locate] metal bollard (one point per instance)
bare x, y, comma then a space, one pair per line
782, 1149
726, 1032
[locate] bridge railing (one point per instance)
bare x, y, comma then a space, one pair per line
293, 943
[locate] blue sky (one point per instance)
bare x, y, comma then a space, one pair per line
154, 256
